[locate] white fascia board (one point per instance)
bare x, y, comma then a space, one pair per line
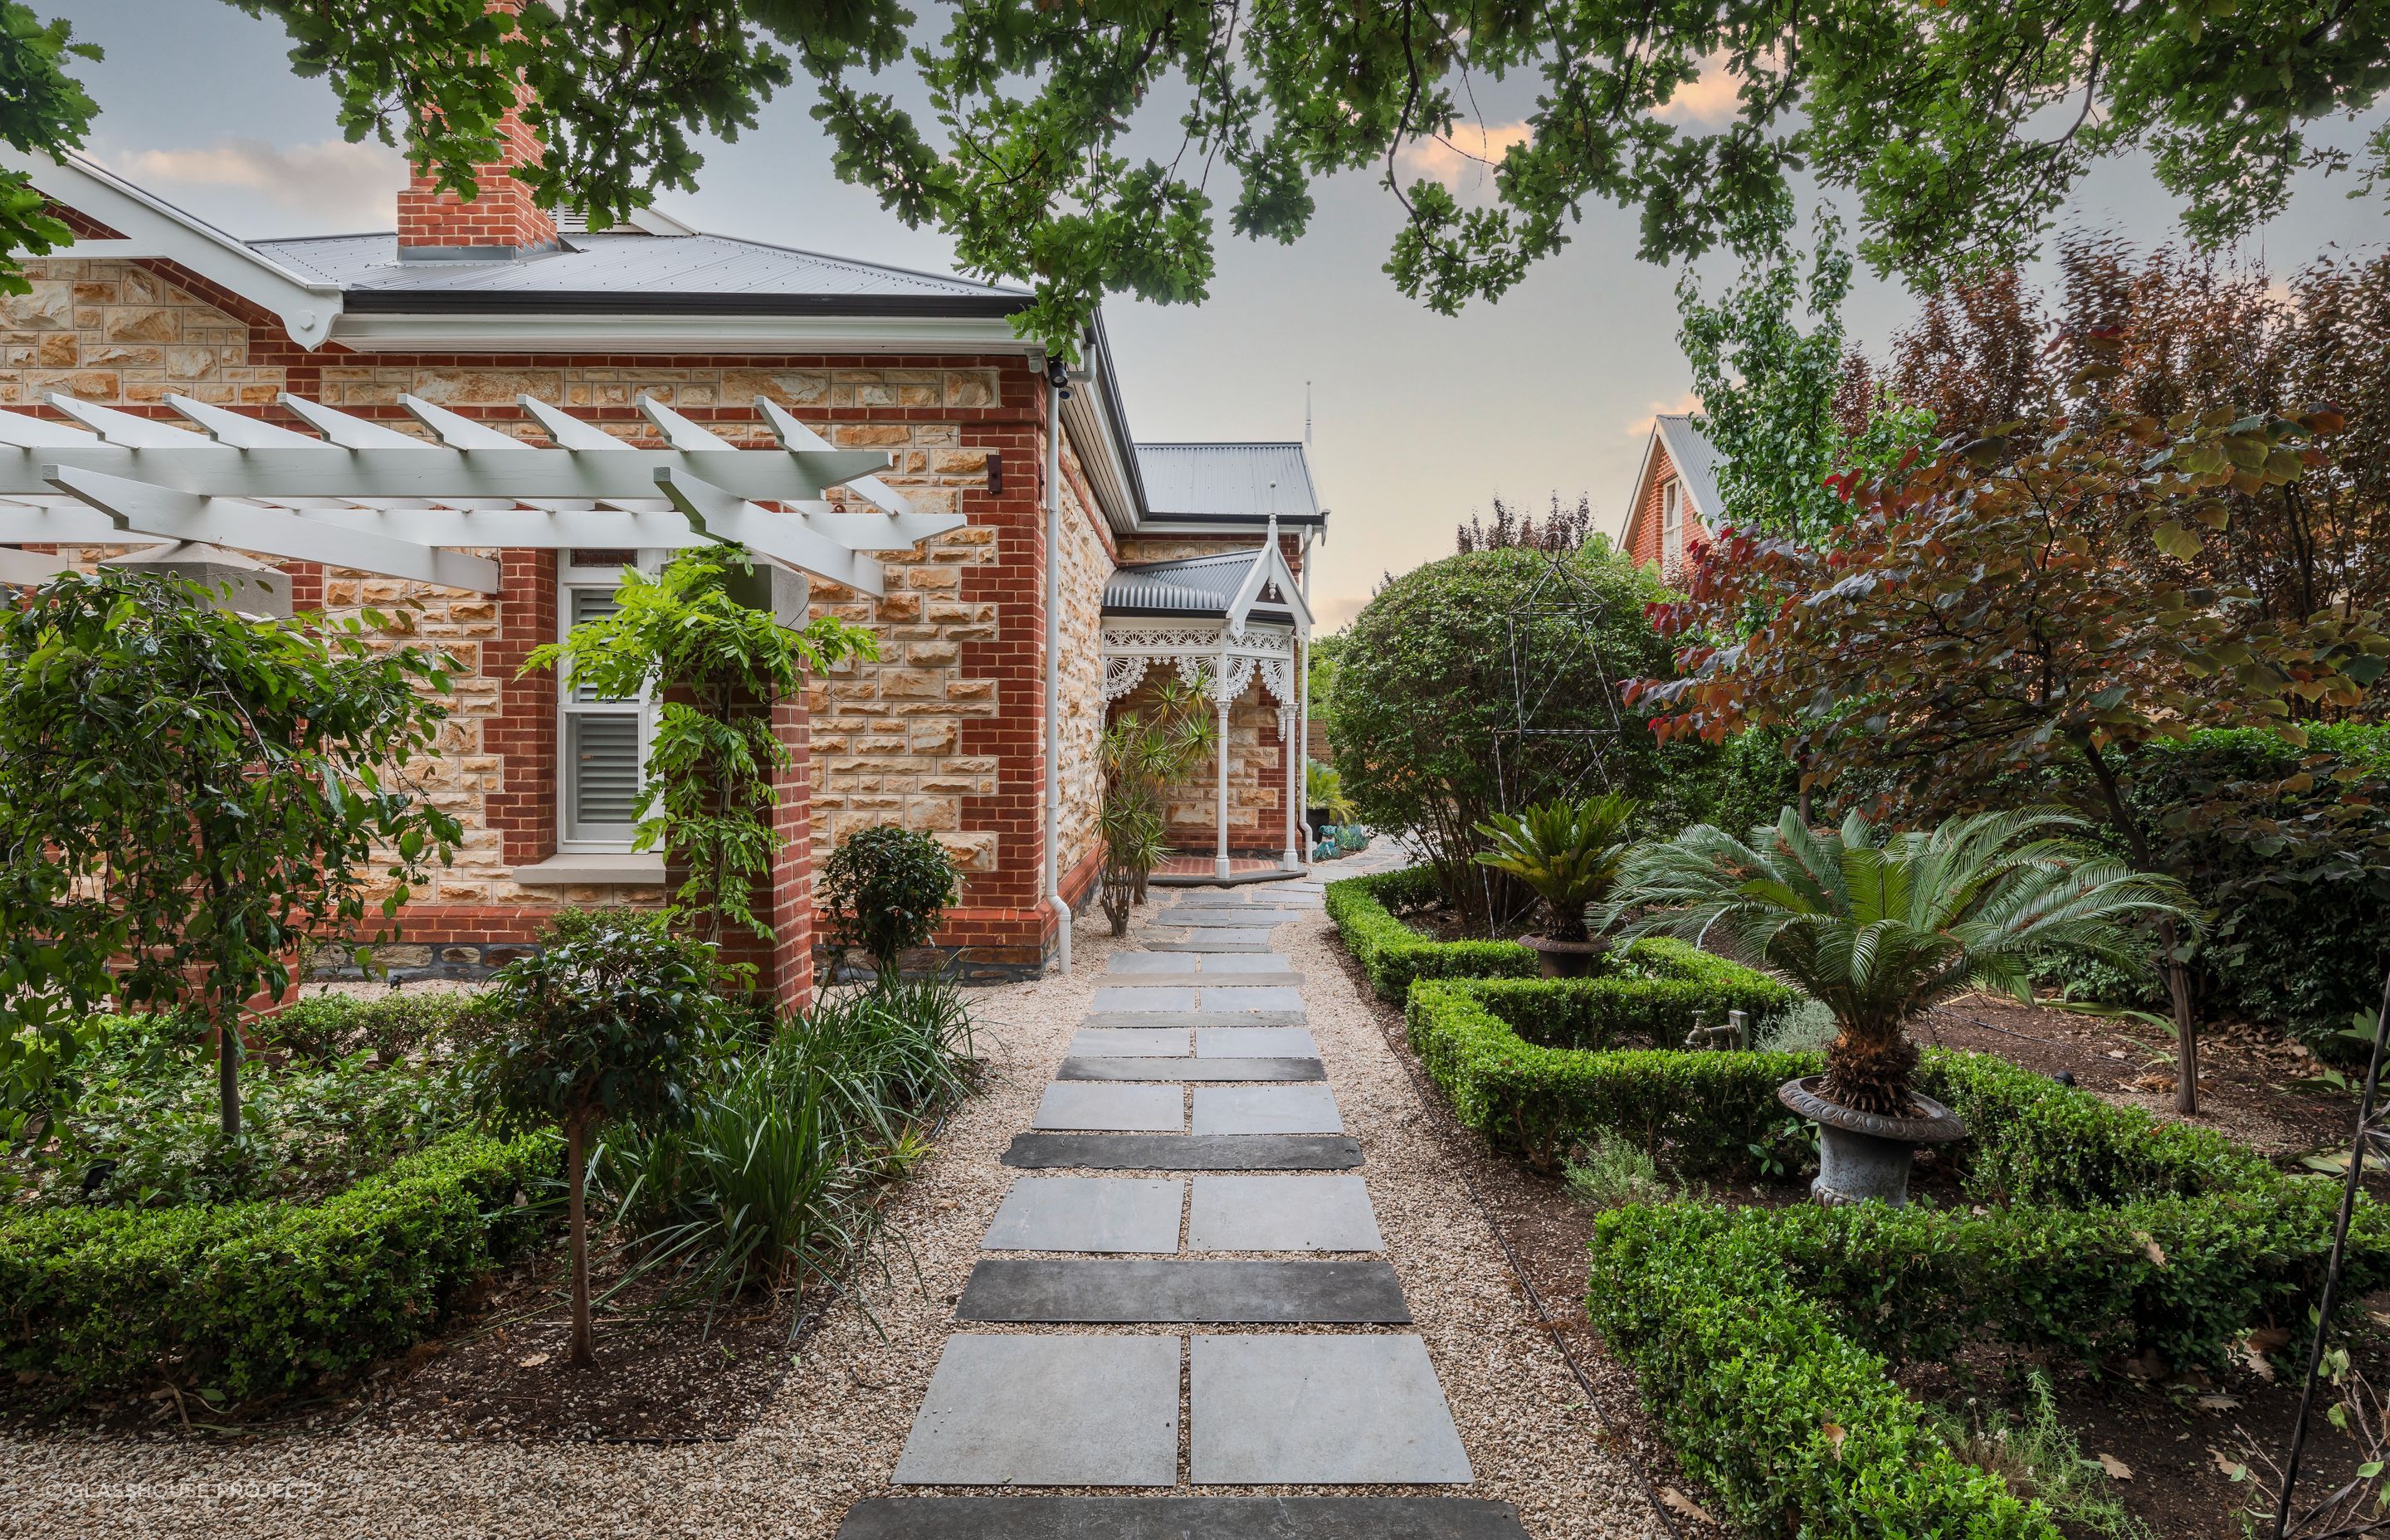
1089, 428
154, 228
502, 333
1269, 565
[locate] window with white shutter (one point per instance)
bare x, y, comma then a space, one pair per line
603, 741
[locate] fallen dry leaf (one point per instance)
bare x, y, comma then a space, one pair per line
2218, 1403
1834, 1435
2249, 1353
2117, 1470
534, 1361
1685, 1504
2230, 1467
2157, 1252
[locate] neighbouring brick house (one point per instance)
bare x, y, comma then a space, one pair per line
1676, 501
471, 308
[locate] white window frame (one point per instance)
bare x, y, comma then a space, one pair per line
1671, 525
608, 579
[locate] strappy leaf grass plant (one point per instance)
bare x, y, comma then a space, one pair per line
1570, 852
1880, 925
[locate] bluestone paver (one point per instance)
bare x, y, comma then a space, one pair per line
1282, 1213
1089, 1213
1113, 998
1128, 1042
1254, 1043
1265, 1109
1075, 1292
1113, 1109
1313, 1410
1248, 998
1183, 1152
1178, 1517
1048, 1411
1185, 1070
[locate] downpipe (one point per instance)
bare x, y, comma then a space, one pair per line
1057, 386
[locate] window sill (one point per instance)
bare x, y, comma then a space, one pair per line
590, 870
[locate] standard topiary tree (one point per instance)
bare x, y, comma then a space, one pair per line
1490, 682
884, 889
604, 1021
186, 795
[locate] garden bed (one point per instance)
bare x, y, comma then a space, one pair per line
1825, 1368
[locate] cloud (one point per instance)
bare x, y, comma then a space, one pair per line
1641, 427
1707, 102
1460, 158
339, 186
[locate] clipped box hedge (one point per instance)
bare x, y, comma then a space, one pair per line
253, 1298
1392, 954
1761, 1337
1528, 1062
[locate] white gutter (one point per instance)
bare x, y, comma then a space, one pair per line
1055, 378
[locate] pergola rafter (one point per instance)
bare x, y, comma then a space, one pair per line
369, 499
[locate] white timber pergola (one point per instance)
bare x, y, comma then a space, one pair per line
1226, 657
366, 498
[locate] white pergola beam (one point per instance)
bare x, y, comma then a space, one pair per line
796, 438
781, 536
147, 510
678, 430
456, 431
241, 432
566, 430
344, 431
123, 428
880, 531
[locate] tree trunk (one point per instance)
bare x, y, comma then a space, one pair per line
228, 1072
2177, 976
582, 1354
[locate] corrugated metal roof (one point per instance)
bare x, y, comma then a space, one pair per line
1227, 480
617, 262
1199, 586
1697, 461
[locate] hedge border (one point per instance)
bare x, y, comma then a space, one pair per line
253, 1298
1392, 954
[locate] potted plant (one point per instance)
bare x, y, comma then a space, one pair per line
886, 888
1878, 926
1569, 852
1325, 803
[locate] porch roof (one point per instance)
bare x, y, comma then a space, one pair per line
1199, 587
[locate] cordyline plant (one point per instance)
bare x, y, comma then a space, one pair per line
720, 667
1140, 754
185, 797
1879, 925
2030, 604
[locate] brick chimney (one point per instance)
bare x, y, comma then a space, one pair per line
501, 222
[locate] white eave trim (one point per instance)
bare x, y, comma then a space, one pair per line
1653, 448
502, 333
155, 229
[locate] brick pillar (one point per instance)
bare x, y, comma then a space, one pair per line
501, 221
790, 972
524, 734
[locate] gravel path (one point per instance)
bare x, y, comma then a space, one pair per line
833, 1433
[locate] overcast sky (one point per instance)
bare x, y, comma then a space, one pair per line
1418, 420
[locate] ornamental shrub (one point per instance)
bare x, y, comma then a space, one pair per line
884, 889
1436, 673
254, 1298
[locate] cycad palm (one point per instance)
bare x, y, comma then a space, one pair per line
1568, 852
1880, 926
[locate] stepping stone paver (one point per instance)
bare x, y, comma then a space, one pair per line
1183, 1070
1238, 918
1254, 1043
1250, 997
1243, 963
1111, 998
1089, 1213
1048, 1411
1318, 1410
1265, 1109
1113, 1109
1183, 1152
1143, 962
1133, 1018
1212, 944
1180, 1518
1128, 1042
1281, 1214
1064, 1292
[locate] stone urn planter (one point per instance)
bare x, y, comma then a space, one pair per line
1861, 1155
1563, 959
